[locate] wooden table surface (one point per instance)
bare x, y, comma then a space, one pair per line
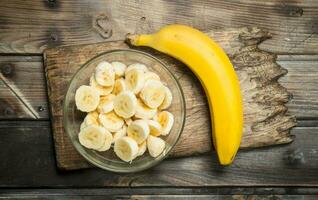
27, 163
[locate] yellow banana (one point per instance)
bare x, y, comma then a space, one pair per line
213, 68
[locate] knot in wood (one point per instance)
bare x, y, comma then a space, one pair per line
296, 157
295, 11
253, 35
8, 111
103, 26
53, 37
7, 70
51, 3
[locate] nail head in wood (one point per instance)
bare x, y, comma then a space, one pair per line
7, 70
8, 111
41, 109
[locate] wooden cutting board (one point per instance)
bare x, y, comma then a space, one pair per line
265, 119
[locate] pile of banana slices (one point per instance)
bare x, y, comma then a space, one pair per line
125, 109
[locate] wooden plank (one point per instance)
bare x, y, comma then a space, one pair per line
13, 106
22, 88
126, 191
32, 26
265, 119
31, 85
307, 123
302, 81
160, 197
225, 197
33, 164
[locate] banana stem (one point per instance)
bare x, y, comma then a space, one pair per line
138, 40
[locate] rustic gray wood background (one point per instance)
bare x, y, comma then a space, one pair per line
27, 165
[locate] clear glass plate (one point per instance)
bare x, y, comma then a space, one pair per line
72, 118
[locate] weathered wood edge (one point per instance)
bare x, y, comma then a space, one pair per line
266, 77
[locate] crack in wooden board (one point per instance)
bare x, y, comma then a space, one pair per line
266, 120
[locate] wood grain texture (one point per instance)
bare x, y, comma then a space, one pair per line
155, 191
265, 118
301, 69
33, 165
22, 88
223, 197
32, 26
302, 80
161, 197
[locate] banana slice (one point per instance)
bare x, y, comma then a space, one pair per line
92, 137
119, 134
125, 104
93, 114
111, 121
105, 74
86, 98
90, 119
154, 127
128, 121
143, 111
83, 125
151, 76
106, 104
166, 121
138, 66
107, 142
155, 146
134, 80
138, 130
126, 148
119, 86
153, 93
103, 90
142, 148
119, 69
167, 100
